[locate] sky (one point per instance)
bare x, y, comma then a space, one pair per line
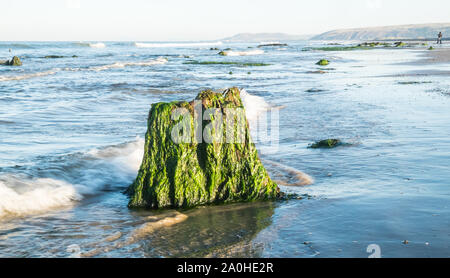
184, 20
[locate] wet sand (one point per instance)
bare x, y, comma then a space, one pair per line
438, 55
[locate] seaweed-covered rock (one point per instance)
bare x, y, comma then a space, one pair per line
272, 45
15, 61
399, 44
194, 172
54, 57
223, 53
323, 62
431, 48
326, 144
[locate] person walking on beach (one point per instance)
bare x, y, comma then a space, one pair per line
439, 41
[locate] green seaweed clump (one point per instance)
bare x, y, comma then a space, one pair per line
323, 62
326, 144
53, 57
431, 48
194, 172
226, 63
399, 44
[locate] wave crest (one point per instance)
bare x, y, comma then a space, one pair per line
23, 196
93, 45
243, 53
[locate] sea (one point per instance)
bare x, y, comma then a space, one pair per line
73, 120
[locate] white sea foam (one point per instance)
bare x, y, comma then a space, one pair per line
243, 53
23, 196
29, 75
254, 106
270, 42
174, 45
97, 45
127, 157
158, 61
93, 45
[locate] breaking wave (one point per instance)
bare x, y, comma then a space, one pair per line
158, 61
22, 196
243, 53
70, 179
92, 45
254, 106
30, 75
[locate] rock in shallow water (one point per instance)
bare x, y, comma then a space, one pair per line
328, 143
15, 61
323, 62
181, 169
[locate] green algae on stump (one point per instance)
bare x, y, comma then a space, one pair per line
182, 175
323, 62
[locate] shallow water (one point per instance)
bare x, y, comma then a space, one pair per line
70, 144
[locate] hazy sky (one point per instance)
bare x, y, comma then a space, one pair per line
153, 20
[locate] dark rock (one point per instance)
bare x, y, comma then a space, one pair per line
326, 144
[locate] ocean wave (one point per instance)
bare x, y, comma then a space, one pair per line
158, 61
15, 45
29, 75
174, 45
126, 156
21, 196
243, 53
71, 178
93, 45
270, 42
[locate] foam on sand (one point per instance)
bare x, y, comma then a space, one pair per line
153, 224
174, 45
293, 177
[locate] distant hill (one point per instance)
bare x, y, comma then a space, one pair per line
265, 37
415, 31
